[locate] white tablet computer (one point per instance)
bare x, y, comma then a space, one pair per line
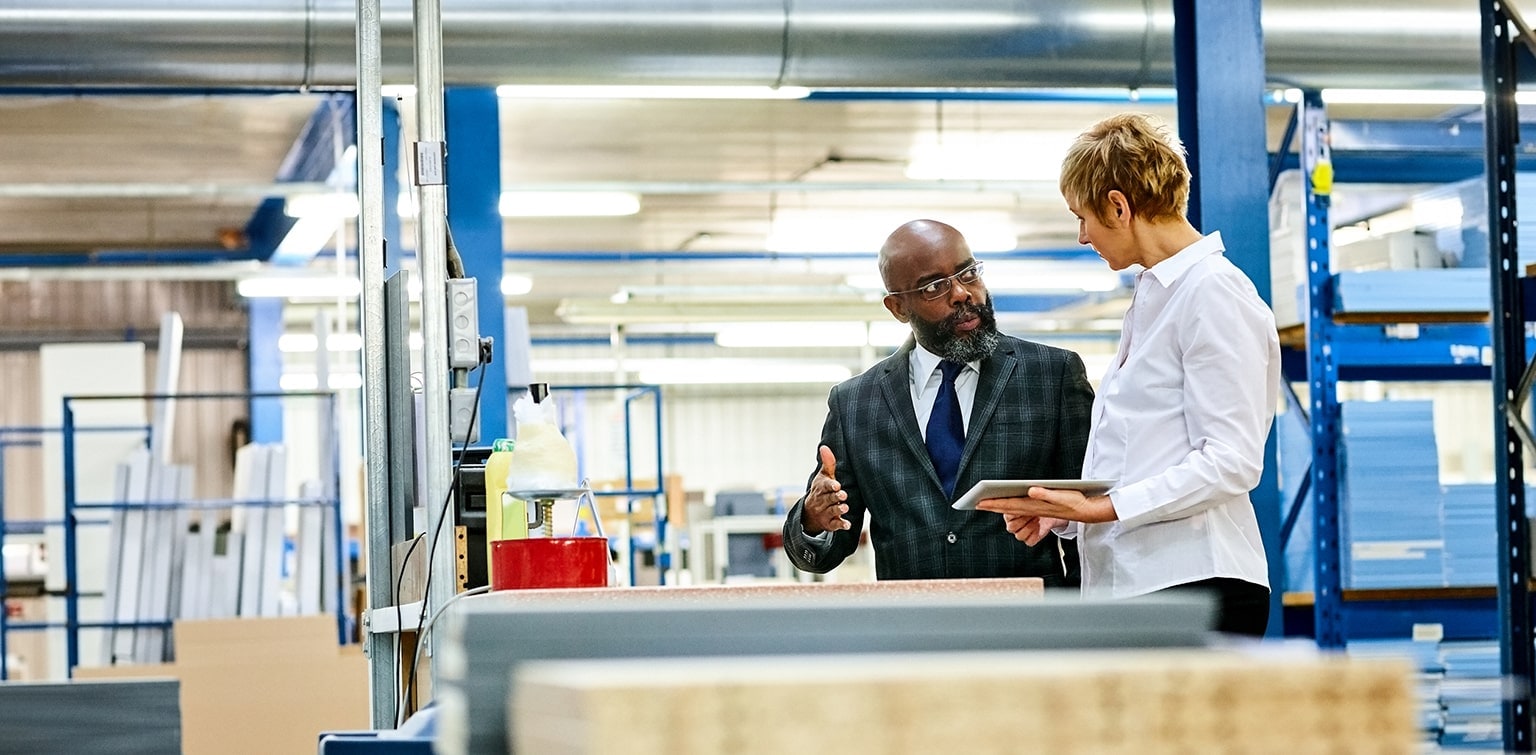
1020, 488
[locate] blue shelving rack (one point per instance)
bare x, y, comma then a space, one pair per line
76, 512
1442, 350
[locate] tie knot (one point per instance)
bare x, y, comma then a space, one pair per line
951, 370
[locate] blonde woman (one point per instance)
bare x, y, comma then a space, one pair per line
1181, 416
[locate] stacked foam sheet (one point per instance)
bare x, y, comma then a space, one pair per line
1471, 696
1389, 491
1425, 290
1471, 533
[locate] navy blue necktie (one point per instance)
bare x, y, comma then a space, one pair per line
946, 428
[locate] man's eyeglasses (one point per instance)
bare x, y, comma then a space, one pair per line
941, 287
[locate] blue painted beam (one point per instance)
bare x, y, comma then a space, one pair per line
312, 158
1219, 76
472, 119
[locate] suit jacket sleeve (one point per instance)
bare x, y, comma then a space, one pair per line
821, 555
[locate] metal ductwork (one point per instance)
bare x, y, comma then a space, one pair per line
294, 44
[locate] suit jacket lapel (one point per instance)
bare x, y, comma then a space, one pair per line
896, 388
996, 373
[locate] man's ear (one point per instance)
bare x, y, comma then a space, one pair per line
893, 305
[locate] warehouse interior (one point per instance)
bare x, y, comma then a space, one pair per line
734, 167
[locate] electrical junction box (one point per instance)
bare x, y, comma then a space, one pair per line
463, 324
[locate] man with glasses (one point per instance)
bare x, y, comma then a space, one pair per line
958, 403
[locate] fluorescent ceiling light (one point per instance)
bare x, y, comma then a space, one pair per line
515, 285
989, 157
700, 371
1051, 280
304, 343
811, 231
562, 204
1006, 276
307, 237
298, 343
309, 381
1398, 97
334, 206
1402, 96
792, 334
714, 371
300, 287
549, 204
653, 92
880, 333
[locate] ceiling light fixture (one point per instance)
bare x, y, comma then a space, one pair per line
653, 92
739, 371
515, 285
331, 205
1396, 97
568, 204
299, 287
989, 157
811, 231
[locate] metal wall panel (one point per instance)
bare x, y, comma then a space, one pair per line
54, 310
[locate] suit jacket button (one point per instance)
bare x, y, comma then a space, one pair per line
951, 538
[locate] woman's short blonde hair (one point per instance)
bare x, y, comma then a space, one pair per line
1134, 153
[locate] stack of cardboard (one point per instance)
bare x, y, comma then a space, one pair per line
260, 685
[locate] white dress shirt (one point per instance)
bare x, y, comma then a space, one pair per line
1180, 421
924, 379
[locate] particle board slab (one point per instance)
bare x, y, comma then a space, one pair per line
488, 636
1125, 701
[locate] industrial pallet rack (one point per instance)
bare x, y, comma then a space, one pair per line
1336, 351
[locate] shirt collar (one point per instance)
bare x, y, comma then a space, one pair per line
1170, 270
924, 362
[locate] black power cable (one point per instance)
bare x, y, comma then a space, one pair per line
426, 590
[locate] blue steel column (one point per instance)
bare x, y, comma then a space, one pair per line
264, 364
1219, 73
71, 576
1322, 376
474, 219
1501, 134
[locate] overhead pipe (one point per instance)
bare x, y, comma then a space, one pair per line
303, 44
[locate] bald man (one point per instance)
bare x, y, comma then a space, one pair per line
959, 402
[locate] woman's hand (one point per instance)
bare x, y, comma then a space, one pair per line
1047, 503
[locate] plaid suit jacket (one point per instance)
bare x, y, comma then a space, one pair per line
1030, 419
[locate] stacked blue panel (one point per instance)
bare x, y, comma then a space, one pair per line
1471, 548
1389, 495
1470, 695
1294, 456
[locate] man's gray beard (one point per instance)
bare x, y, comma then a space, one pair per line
979, 346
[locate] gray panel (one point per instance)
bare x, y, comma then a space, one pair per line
83, 717
491, 634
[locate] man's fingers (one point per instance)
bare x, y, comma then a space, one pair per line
828, 461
